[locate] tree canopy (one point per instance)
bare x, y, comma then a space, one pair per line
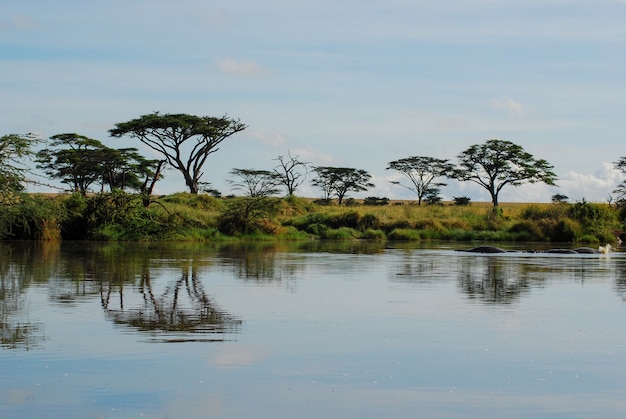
13, 149
422, 172
256, 183
498, 163
169, 134
338, 181
80, 162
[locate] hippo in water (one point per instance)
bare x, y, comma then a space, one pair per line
579, 250
484, 249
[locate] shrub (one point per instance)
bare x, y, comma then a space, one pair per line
462, 201
375, 201
566, 230
404, 234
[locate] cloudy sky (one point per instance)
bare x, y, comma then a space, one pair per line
340, 83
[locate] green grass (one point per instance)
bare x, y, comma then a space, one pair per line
203, 218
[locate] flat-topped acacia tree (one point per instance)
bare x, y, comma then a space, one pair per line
498, 163
186, 141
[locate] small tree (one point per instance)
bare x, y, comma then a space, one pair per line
560, 198
256, 183
288, 173
185, 141
497, 163
76, 160
338, 181
422, 172
14, 148
620, 191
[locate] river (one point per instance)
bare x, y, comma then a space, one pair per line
309, 330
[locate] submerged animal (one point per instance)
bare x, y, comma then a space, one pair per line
484, 249
579, 250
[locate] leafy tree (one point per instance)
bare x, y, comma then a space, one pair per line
14, 148
185, 141
287, 172
79, 165
621, 188
338, 181
422, 172
256, 183
497, 163
560, 198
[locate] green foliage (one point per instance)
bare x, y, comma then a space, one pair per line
375, 201
496, 164
566, 230
169, 134
462, 201
404, 234
248, 215
422, 171
14, 148
29, 217
338, 181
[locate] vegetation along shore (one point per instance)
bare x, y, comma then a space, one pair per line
108, 193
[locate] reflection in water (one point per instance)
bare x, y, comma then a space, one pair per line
19, 267
492, 280
181, 306
374, 332
121, 276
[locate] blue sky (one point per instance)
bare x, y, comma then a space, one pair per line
341, 83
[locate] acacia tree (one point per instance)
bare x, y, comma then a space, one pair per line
497, 163
185, 141
256, 183
288, 174
80, 162
338, 181
14, 148
77, 160
422, 172
621, 188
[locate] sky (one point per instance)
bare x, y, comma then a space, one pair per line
337, 83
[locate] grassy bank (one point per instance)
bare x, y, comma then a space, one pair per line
120, 216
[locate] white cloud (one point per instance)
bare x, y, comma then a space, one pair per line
238, 68
274, 138
511, 106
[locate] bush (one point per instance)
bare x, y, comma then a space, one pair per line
566, 230
375, 201
462, 201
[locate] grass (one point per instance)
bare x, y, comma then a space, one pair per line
203, 218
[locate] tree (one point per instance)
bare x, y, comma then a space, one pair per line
79, 165
80, 162
498, 163
287, 172
337, 181
14, 148
185, 141
621, 188
422, 171
256, 183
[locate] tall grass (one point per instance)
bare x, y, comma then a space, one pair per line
203, 218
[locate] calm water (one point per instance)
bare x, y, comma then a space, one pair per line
309, 331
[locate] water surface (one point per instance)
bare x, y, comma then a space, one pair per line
308, 330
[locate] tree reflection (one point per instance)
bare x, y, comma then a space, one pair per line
492, 280
19, 267
182, 305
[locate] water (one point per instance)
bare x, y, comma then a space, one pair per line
313, 330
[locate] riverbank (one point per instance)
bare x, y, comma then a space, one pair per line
182, 216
